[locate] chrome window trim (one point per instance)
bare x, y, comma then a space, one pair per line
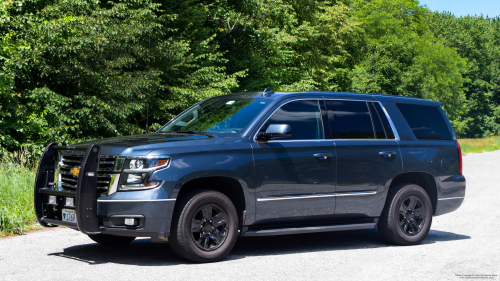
396, 135
394, 131
309, 196
292, 100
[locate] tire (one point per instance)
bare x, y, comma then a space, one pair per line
204, 226
111, 240
407, 215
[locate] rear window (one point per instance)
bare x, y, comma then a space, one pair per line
426, 122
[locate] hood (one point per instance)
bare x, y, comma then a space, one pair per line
144, 144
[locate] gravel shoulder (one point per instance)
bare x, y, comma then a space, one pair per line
464, 242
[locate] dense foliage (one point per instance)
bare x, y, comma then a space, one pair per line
74, 70
478, 40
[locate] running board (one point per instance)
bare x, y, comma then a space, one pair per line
310, 229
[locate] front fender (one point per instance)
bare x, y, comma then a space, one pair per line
233, 161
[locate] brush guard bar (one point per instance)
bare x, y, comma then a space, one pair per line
85, 194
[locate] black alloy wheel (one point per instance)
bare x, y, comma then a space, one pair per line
204, 226
412, 215
209, 227
407, 215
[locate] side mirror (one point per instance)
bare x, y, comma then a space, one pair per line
276, 131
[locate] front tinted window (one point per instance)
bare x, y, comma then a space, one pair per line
219, 116
304, 117
350, 119
426, 122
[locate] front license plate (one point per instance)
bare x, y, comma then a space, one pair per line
68, 215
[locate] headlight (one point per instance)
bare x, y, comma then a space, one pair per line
136, 171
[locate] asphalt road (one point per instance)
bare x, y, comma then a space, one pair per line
465, 242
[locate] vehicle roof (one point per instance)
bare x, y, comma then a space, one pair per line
378, 97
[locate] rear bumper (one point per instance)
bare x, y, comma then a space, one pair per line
450, 194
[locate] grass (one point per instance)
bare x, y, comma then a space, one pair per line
479, 145
17, 180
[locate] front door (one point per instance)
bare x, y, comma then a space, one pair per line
295, 176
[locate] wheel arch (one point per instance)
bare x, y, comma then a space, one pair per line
423, 179
226, 185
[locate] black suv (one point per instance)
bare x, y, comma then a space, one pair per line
256, 164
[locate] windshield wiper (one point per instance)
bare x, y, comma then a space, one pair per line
196, 133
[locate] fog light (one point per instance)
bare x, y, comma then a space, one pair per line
129, 221
52, 200
70, 202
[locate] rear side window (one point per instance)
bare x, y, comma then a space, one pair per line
426, 122
387, 127
377, 124
304, 117
350, 120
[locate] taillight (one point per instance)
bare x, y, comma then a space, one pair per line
459, 156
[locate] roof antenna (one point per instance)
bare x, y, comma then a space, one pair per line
380, 92
267, 92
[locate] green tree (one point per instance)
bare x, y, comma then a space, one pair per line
84, 69
478, 40
287, 45
400, 56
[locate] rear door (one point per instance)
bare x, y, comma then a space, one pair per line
368, 156
295, 176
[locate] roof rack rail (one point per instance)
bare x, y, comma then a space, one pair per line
267, 92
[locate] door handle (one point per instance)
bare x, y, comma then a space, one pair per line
322, 155
387, 153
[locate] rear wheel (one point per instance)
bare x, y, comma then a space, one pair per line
407, 215
111, 240
205, 226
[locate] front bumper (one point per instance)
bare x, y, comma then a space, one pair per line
151, 209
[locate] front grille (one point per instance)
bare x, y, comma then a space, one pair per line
67, 163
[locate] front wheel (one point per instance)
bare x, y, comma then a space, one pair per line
205, 226
407, 215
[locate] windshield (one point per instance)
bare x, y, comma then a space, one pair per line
218, 116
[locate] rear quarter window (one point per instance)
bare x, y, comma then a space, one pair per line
426, 122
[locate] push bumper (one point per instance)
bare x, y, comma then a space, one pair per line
150, 211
